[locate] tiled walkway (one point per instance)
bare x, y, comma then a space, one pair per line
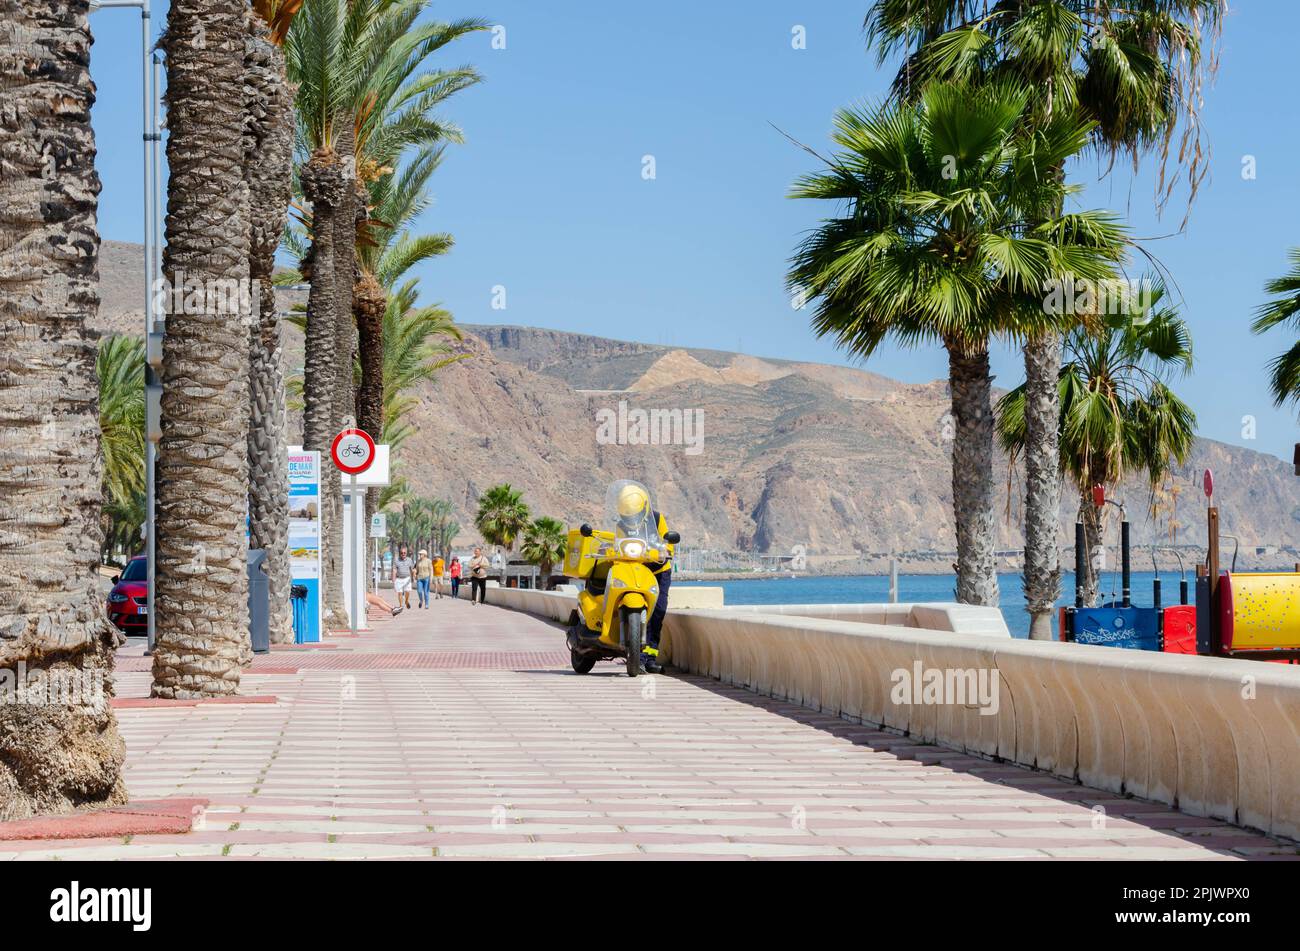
460, 732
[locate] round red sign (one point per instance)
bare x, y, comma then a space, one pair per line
1208, 483
353, 451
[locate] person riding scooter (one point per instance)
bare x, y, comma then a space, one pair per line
623, 568
637, 519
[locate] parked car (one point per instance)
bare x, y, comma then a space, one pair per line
128, 602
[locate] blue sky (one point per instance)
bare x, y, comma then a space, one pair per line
547, 197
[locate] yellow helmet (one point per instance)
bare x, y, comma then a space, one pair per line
632, 500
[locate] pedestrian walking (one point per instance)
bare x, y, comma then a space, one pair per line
478, 571
423, 577
403, 568
453, 571
438, 567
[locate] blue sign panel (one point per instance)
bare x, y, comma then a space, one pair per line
1134, 628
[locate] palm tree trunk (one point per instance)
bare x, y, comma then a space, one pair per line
202, 582
1042, 482
53, 757
972, 475
324, 182
369, 303
269, 175
343, 223
1092, 540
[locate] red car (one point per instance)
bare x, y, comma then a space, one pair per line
128, 602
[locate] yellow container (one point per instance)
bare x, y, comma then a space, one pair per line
580, 553
1261, 611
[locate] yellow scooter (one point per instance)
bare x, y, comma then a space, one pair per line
621, 588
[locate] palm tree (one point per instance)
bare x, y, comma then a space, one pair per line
1137, 69
53, 757
269, 174
1118, 414
1284, 372
339, 53
397, 115
545, 541
943, 239
120, 369
502, 515
202, 586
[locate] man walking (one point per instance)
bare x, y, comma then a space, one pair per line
403, 568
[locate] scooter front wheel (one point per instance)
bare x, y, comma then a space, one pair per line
633, 634
582, 663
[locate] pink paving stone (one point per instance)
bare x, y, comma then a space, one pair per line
136, 818
455, 711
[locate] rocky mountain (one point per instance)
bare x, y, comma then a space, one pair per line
749, 454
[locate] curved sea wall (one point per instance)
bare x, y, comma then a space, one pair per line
1215, 737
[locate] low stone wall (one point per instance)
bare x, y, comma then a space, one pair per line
937, 616
1214, 737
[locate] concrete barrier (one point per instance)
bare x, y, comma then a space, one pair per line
1213, 737
936, 616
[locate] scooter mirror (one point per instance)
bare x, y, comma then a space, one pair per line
585, 529
672, 538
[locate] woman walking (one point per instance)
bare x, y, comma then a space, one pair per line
423, 577
453, 571
478, 570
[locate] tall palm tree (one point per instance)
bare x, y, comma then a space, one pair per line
942, 239
1118, 414
202, 583
53, 757
1284, 371
339, 53
269, 174
502, 515
1137, 69
544, 544
397, 115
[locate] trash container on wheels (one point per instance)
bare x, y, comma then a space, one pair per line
259, 602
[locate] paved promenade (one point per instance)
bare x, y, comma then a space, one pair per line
460, 732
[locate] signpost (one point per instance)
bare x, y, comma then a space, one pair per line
353, 452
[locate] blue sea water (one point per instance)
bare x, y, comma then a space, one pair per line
875, 588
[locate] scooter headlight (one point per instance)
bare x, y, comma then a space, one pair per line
631, 548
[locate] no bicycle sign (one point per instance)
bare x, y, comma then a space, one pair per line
353, 451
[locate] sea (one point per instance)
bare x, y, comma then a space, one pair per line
845, 589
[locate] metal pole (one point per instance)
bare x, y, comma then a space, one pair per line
356, 606
1125, 573
893, 581
1079, 555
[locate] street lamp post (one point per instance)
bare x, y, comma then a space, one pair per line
150, 114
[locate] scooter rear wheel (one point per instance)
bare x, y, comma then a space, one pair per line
582, 663
633, 630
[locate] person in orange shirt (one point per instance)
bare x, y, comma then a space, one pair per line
438, 566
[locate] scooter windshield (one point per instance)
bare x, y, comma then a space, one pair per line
633, 513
